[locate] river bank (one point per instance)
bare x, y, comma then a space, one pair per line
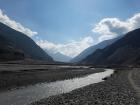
116, 90
18, 75
32, 93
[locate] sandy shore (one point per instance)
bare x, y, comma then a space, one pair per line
116, 90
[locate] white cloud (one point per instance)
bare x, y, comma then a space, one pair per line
112, 27
105, 37
71, 49
15, 25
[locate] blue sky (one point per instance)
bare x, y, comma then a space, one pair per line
64, 21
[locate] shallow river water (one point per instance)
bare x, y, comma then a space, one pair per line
26, 95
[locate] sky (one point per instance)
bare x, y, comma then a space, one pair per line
70, 26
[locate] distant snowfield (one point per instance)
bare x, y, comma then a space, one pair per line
26, 95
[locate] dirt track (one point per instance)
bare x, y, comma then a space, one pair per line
134, 85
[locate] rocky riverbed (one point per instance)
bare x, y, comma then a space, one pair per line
116, 90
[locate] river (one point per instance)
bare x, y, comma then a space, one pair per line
26, 95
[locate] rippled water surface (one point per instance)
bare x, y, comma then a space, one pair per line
26, 95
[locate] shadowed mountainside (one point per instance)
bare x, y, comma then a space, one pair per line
15, 44
92, 49
8, 51
125, 51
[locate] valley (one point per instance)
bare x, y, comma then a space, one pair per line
69, 52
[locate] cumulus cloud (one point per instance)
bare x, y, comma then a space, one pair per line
71, 49
111, 27
15, 25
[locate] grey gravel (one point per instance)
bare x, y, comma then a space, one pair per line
116, 90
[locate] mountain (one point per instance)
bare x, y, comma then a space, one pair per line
8, 51
59, 56
125, 51
92, 49
14, 41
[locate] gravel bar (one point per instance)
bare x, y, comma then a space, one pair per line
116, 90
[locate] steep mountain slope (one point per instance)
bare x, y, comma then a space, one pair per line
24, 43
8, 51
92, 49
59, 56
125, 51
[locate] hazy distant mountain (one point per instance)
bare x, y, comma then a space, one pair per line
92, 49
59, 56
125, 51
14, 41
